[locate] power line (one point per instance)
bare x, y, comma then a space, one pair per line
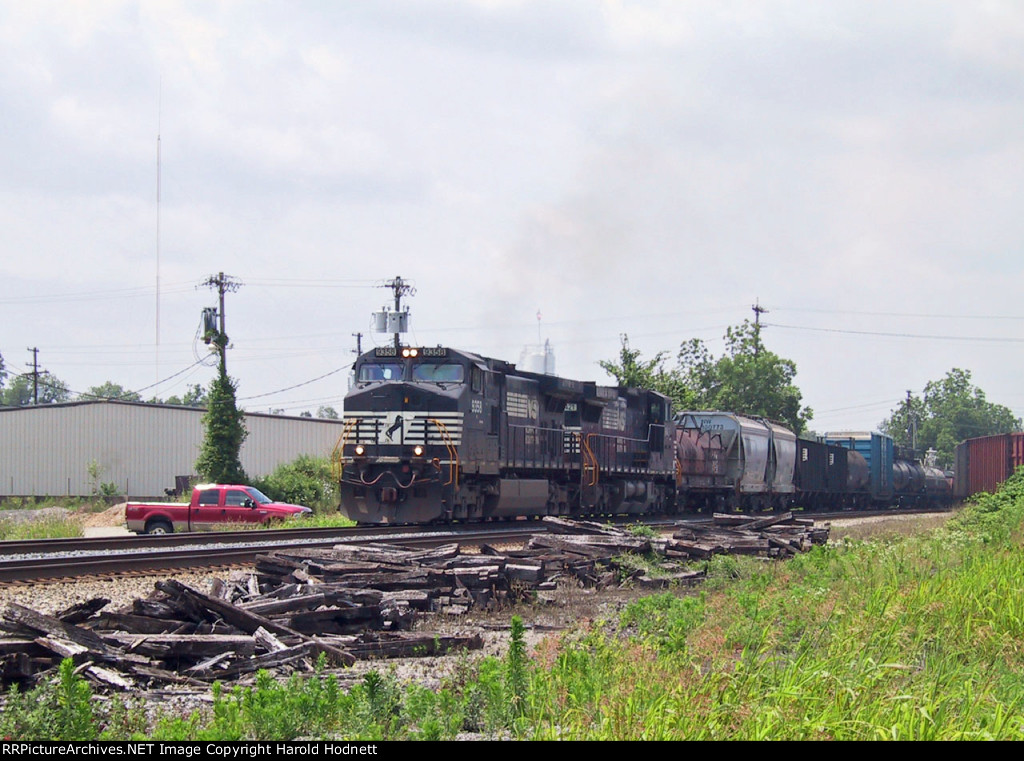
305, 283
901, 314
96, 295
897, 335
298, 385
169, 377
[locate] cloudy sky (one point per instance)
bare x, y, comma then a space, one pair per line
650, 168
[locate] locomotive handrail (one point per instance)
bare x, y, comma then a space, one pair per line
546, 450
588, 454
338, 453
453, 453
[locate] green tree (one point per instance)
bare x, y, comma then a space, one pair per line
951, 410
3, 375
220, 456
747, 379
111, 390
19, 392
327, 412
306, 481
195, 397
632, 371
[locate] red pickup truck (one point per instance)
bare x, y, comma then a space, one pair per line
211, 505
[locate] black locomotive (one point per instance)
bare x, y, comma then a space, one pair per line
435, 434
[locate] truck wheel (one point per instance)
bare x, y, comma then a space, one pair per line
159, 527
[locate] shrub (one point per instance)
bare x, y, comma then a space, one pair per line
305, 481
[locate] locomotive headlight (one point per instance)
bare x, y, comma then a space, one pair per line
409, 352
417, 450
360, 449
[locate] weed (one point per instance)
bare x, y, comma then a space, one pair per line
515, 669
58, 710
642, 530
50, 527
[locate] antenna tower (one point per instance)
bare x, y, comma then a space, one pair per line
159, 119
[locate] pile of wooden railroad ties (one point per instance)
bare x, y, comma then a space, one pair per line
353, 602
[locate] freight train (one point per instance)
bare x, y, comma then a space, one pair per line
433, 434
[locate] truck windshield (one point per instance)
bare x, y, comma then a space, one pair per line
383, 371
438, 373
259, 496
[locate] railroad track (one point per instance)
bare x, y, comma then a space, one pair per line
49, 559
103, 555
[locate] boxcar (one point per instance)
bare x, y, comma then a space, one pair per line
984, 463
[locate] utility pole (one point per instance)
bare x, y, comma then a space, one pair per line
35, 374
359, 343
911, 423
223, 283
758, 311
400, 288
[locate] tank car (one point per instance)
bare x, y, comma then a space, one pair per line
889, 475
870, 465
434, 434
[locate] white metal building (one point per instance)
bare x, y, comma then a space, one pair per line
47, 450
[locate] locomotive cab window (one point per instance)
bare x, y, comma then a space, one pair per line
447, 372
383, 371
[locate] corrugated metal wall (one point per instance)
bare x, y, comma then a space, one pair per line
47, 450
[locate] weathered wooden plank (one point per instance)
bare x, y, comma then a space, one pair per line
268, 641
444, 552
557, 525
287, 605
336, 620
29, 620
79, 612
109, 678
238, 617
140, 624
191, 646
267, 661
388, 645
563, 546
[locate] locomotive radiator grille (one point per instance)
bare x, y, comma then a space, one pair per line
404, 427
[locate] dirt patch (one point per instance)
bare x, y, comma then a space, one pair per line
876, 526
112, 516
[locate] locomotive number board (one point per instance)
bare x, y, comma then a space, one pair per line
425, 351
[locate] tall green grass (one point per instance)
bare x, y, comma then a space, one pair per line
911, 639
44, 528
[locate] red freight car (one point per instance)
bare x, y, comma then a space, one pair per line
984, 463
